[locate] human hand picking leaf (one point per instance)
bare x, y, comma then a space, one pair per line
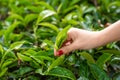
84, 40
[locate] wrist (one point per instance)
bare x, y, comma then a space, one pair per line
103, 38
100, 39
110, 34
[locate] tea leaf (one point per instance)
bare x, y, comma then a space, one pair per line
88, 57
30, 18
3, 71
98, 73
61, 72
35, 9
115, 3
57, 62
23, 57
15, 16
35, 56
61, 37
44, 14
40, 71
24, 70
16, 45
38, 60
111, 51
30, 52
6, 63
10, 30
74, 2
1, 49
53, 27
42, 3
102, 59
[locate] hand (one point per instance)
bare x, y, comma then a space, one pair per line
78, 39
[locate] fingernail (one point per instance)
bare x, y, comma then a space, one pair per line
60, 52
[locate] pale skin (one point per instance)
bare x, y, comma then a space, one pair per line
85, 40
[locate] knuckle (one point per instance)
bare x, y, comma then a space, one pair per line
71, 31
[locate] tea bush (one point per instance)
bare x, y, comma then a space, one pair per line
28, 29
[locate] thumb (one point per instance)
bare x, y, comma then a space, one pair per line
67, 49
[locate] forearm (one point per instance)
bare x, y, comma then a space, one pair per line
110, 34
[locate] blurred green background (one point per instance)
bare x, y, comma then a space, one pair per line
28, 29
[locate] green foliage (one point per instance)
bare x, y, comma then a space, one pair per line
30, 28
98, 73
57, 62
61, 37
62, 72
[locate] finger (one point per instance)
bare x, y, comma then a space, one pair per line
55, 52
67, 42
66, 49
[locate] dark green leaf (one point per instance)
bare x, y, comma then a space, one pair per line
7, 62
57, 62
98, 73
61, 72
24, 70
88, 57
23, 57
116, 76
103, 59
115, 52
